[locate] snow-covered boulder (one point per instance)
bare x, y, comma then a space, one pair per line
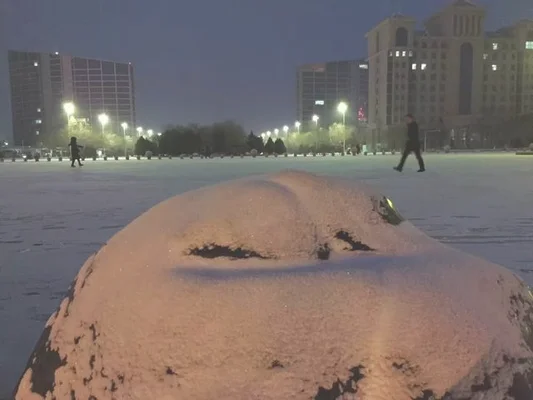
286, 286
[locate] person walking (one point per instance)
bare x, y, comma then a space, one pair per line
412, 145
75, 151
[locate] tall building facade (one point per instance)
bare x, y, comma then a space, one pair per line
42, 82
321, 87
450, 75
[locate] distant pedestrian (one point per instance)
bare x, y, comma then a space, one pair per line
412, 144
75, 151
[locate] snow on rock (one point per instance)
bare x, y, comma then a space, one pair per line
286, 286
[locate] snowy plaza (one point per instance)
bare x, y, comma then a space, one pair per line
52, 217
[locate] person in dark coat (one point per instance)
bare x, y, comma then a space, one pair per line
412, 144
75, 151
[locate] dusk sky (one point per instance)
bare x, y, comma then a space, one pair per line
209, 60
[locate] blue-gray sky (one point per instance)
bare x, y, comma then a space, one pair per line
207, 60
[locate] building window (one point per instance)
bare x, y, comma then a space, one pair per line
38, 121
423, 66
494, 67
35, 64
397, 54
529, 45
494, 46
38, 110
413, 67
485, 56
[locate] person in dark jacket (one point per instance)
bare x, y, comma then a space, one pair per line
75, 151
412, 144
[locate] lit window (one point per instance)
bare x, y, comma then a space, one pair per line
390, 53
363, 66
397, 54
38, 121
56, 53
319, 102
494, 67
485, 56
38, 110
494, 46
413, 67
410, 53
423, 66
529, 45
404, 53
37, 132
35, 64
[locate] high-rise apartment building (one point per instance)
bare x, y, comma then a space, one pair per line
321, 87
450, 75
42, 82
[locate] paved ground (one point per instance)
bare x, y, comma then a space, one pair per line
53, 217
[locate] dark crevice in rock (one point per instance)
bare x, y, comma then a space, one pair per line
94, 333
213, 250
120, 378
276, 364
70, 296
323, 252
522, 387
113, 386
72, 395
77, 339
44, 362
483, 387
339, 388
91, 362
355, 245
170, 371
426, 395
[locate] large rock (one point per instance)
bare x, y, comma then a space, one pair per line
288, 286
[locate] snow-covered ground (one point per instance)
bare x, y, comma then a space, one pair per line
53, 217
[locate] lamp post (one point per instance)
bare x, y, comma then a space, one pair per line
150, 133
297, 125
69, 109
124, 126
286, 130
315, 120
139, 131
276, 132
342, 108
103, 119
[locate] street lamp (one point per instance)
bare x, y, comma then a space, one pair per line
150, 133
297, 125
103, 119
276, 132
269, 134
139, 131
286, 130
69, 109
124, 126
342, 108
315, 120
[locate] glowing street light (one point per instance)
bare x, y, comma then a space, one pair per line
315, 119
139, 131
263, 136
103, 119
150, 132
276, 132
124, 126
269, 134
286, 129
69, 109
342, 108
159, 134
297, 125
